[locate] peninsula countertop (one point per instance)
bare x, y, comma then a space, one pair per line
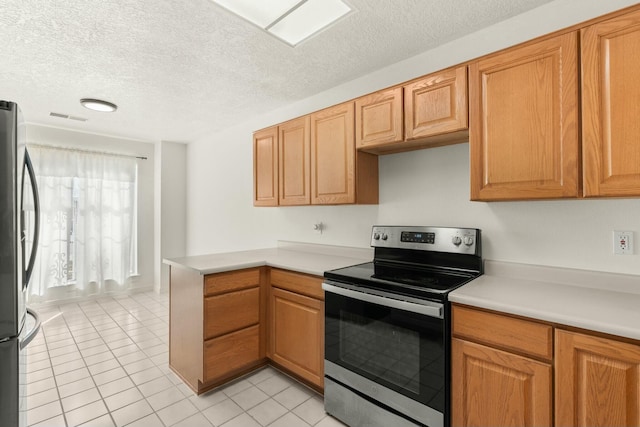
301, 257
596, 301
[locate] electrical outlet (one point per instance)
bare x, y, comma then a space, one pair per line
622, 242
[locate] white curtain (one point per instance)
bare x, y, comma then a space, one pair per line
88, 223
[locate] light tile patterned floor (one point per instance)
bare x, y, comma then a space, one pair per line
104, 363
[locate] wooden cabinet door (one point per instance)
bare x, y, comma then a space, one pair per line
333, 165
379, 118
611, 107
228, 354
597, 381
524, 120
491, 387
265, 167
294, 155
339, 174
297, 334
436, 104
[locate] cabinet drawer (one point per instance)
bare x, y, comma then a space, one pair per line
231, 352
303, 284
220, 283
532, 338
231, 311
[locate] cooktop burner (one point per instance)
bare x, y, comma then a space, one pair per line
421, 262
417, 282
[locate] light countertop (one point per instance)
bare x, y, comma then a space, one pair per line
300, 257
597, 301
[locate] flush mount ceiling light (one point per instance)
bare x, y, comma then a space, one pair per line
292, 21
98, 105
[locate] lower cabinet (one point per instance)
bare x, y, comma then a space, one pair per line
296, 325
510, 371
216, 325
226, 324
495, 381
597, 381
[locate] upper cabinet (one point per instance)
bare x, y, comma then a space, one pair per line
379, 119
437, 105
610, 108
427, 112
556, 117
265, 167
339, 174
524, 121
313, 160
294, 155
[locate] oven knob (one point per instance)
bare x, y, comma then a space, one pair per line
468, 240
384, 236
456, 240
376, 236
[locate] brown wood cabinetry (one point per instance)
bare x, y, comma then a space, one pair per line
339, 174
524, 120
216, 325
295, 162
315, 162
427, 112
437, 105
510, 371
265, 167
379, 119
296, 325
597, 381
501, 370
226, 324
610, 107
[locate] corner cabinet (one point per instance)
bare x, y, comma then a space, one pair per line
265, 167
610, 107
339, 174
501, 370
216, 325
296, 325
597, 381
524, 120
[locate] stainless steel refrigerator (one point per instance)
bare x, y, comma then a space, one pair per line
18, 325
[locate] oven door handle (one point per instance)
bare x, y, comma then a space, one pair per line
427, 308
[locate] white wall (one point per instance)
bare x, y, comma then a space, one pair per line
427, 187
60, 137
171, 201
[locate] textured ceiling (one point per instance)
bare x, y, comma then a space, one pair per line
181, 69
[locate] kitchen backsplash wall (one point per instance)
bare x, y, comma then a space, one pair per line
426, 187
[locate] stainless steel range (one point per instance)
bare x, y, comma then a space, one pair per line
387, 326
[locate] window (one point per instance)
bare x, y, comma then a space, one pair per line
88, 238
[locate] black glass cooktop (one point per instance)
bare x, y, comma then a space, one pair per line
416, 281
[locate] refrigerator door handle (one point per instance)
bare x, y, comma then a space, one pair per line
36, 205
33, 332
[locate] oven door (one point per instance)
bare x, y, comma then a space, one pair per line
390, 350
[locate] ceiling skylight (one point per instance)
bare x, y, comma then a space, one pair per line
292, 21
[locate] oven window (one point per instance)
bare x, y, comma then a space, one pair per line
385, 351
397, 349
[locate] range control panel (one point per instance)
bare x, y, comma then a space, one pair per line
437, 239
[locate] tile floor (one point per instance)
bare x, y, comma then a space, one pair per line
104, 363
